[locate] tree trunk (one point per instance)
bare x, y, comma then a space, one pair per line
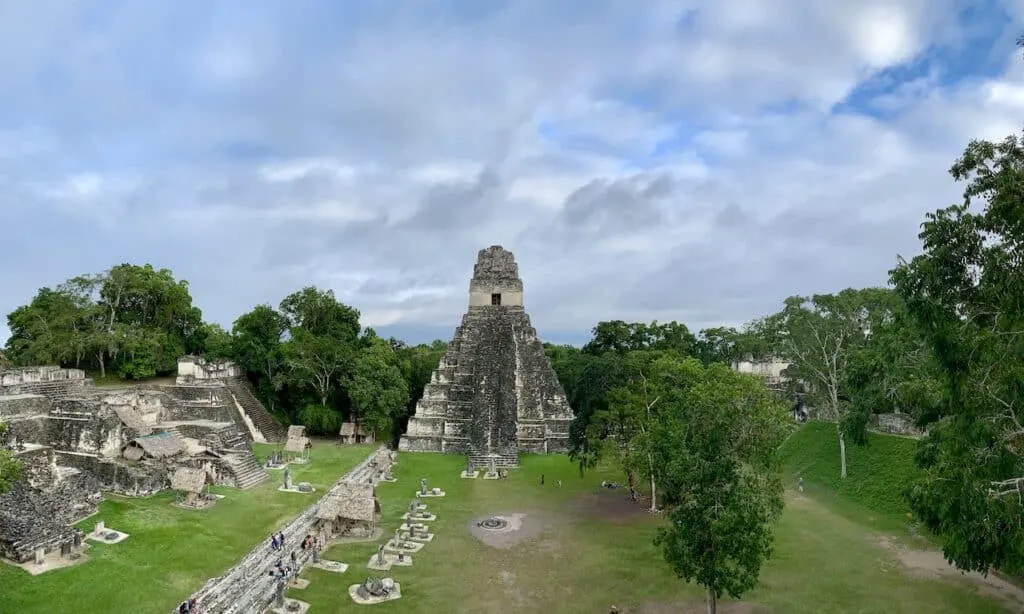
712, 602
631, 478
654, 496
842, 454
103, 366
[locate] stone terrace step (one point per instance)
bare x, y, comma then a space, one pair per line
248, 471
501, 461
247, 587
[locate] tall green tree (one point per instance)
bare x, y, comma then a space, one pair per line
376, 388
135, 320
965, 292
318, 361
714, 447
623, 337
594, 377
324, 337
319, 312
894, 371
256, 346
818, 335
633, 408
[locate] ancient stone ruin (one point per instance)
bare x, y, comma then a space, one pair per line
76, 440
352, 433
494, 393
351, 510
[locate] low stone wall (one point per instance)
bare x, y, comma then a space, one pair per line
18, 405
896, 424
131, 480
248, 587
193, 369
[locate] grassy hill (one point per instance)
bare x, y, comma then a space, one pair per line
876, 473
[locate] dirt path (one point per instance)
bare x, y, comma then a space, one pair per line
930, 564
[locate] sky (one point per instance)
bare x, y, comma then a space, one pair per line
696, 161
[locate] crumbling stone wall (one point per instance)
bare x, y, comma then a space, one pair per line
41, 506
87, 426
25, 416
193, 370
48, 380
129, 479
897, 424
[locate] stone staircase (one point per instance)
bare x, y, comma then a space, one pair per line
247, 587
268, 426
173, 430
248, 471
482, 460
231, 438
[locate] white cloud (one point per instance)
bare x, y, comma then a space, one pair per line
670, 160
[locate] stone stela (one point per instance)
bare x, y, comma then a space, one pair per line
494, 392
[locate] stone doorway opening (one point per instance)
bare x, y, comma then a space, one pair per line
496, 299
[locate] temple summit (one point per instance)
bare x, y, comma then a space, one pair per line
494, 394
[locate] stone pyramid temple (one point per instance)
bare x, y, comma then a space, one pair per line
494, 393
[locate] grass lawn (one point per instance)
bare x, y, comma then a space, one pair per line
877, 473
171, 552
595, 550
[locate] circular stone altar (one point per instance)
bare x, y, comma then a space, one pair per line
494, 523
506, 530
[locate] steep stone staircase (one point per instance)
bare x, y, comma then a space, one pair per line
268, 426
248, 471
231, 438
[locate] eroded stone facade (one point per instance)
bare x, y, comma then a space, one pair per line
494, 392
76, 440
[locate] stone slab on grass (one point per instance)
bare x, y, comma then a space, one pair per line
298, 583
302, 607
50, 562
418, 518
332, 566
390, 560
353, 592
422, 538
108, 536
295, 489
410, 548
469, 476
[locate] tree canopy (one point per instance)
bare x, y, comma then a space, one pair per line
965, 293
